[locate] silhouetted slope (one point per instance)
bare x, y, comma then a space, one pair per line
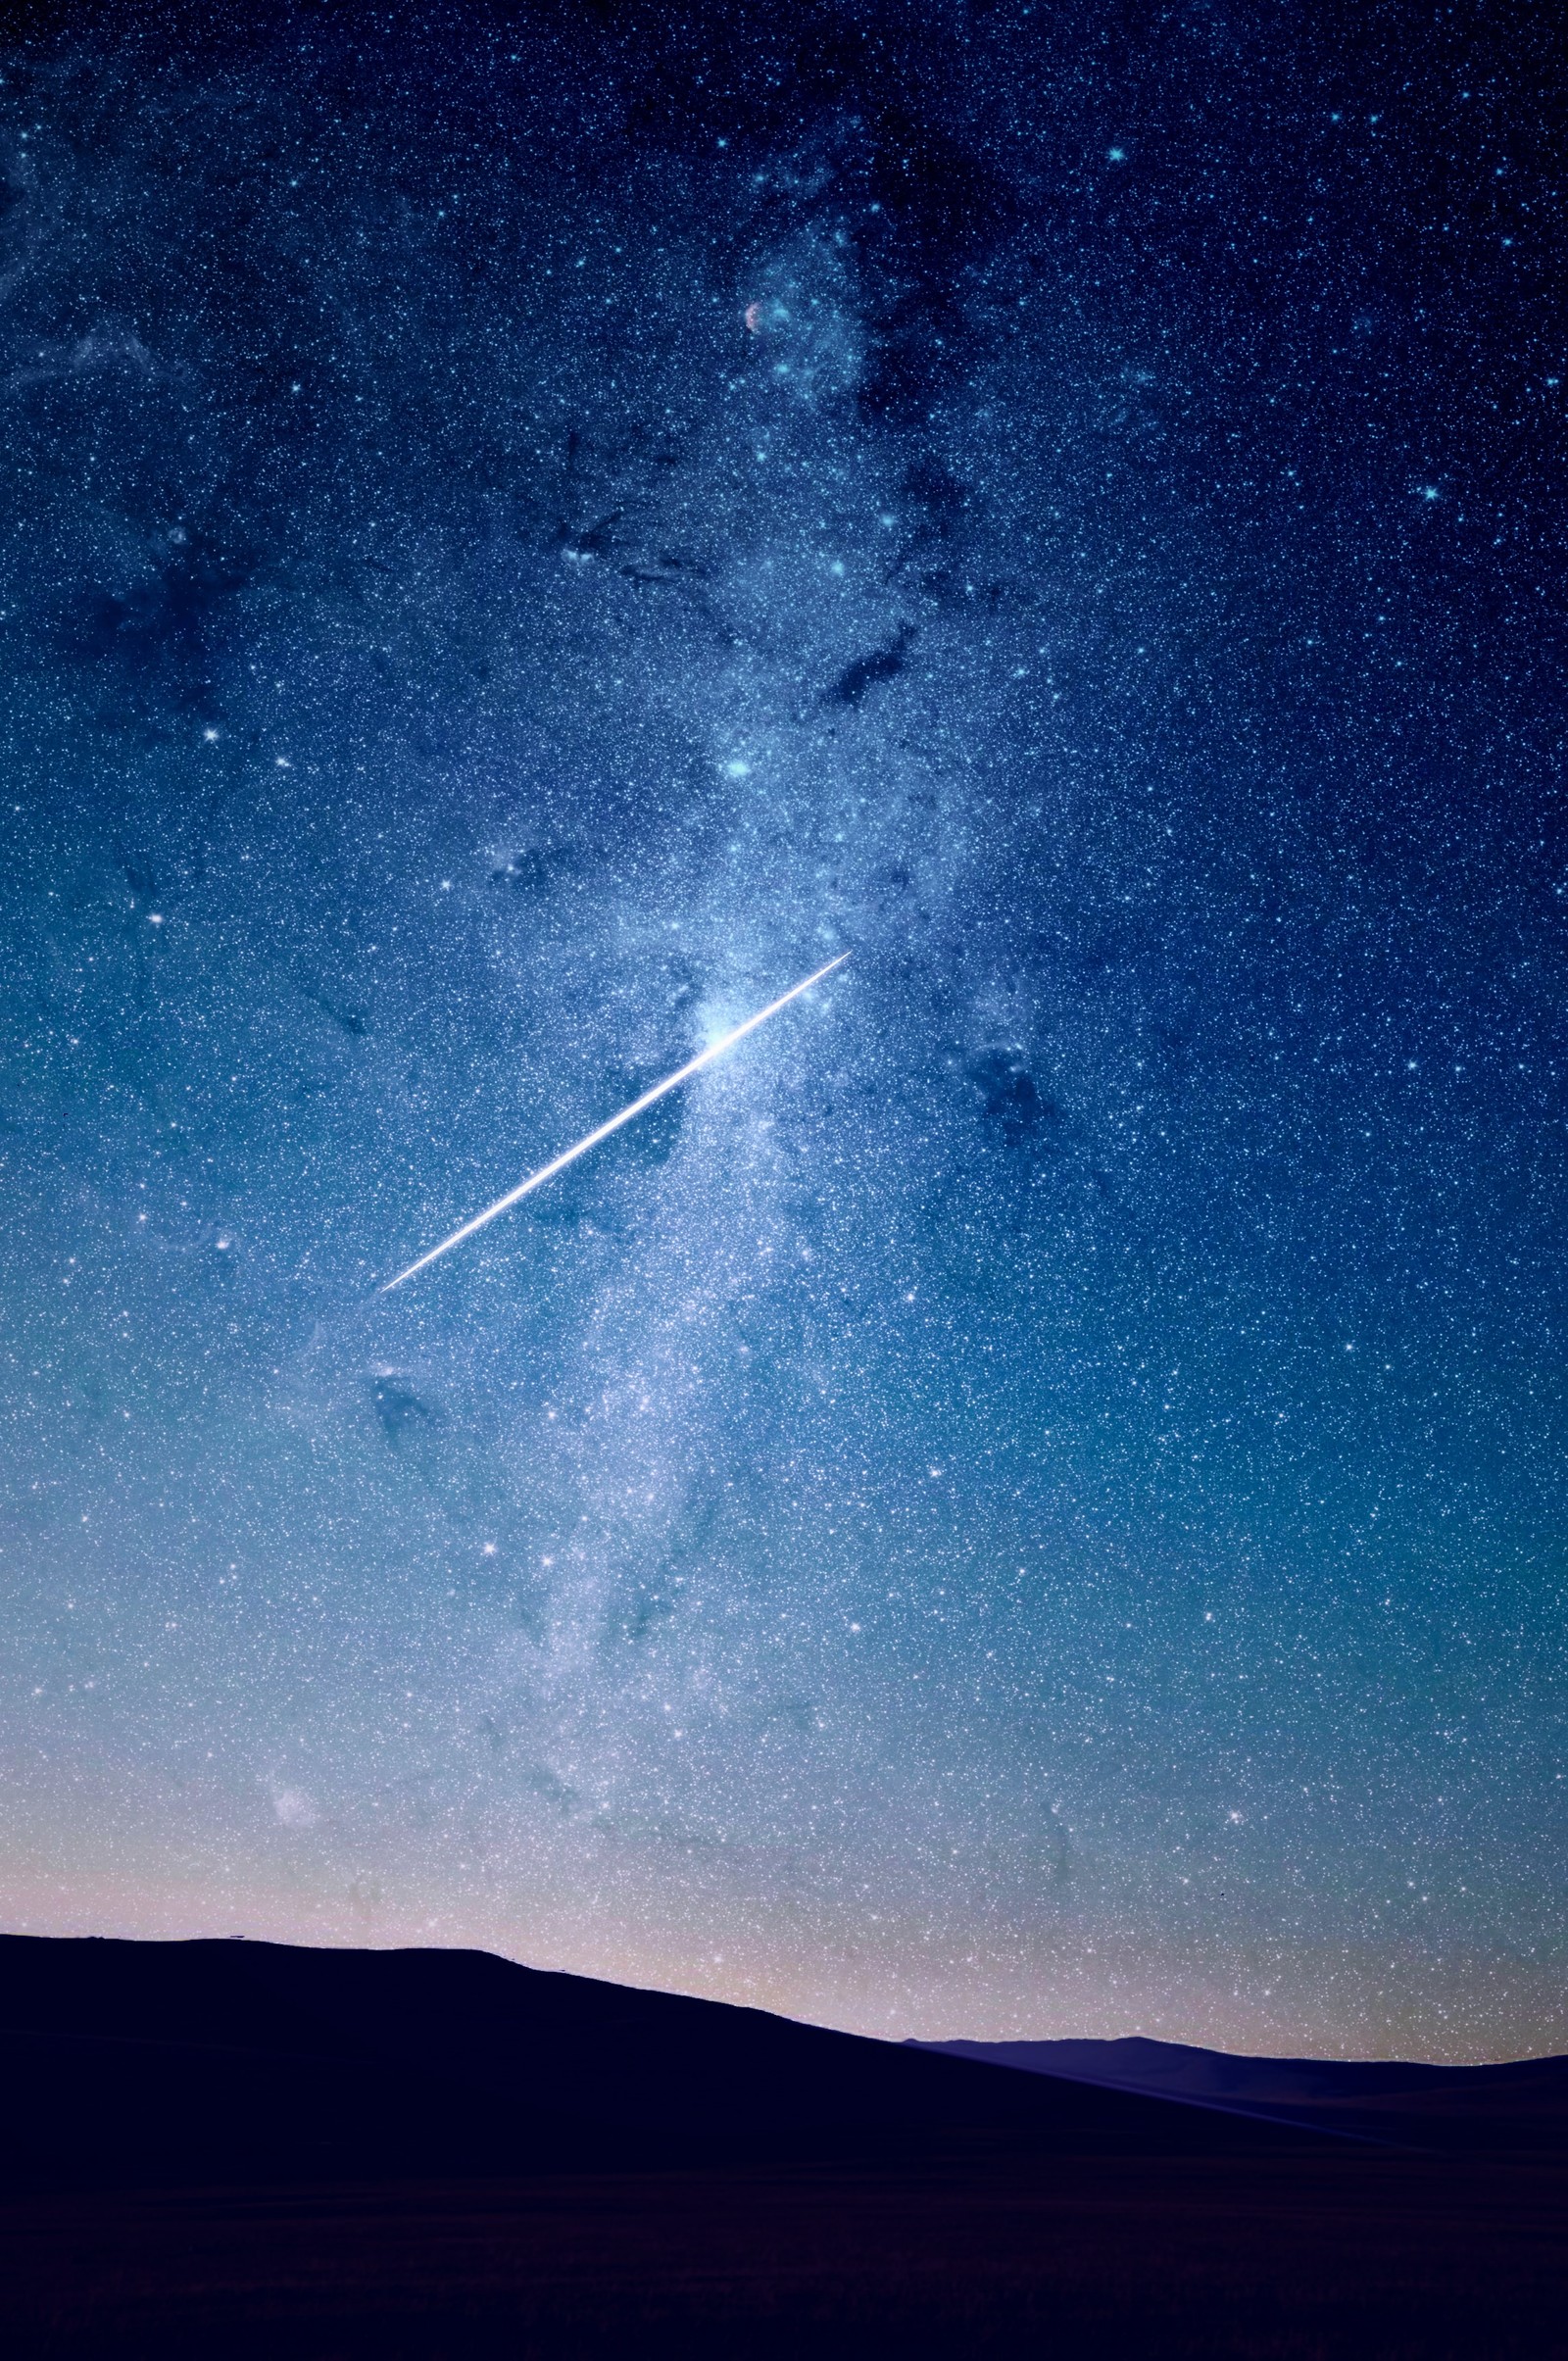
1519, 2105
130, 2062
438, 2157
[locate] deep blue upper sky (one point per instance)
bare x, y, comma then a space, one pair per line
1030, 1500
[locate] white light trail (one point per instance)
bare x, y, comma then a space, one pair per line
627, 1114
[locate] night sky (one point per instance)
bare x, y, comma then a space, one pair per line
1030, 1499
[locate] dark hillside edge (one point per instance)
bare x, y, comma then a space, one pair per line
134, 2063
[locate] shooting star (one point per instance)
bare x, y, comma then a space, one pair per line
627, 1114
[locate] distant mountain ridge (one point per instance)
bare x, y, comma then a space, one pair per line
1520, 2104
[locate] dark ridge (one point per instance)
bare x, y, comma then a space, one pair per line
131, 2064
1520, 2106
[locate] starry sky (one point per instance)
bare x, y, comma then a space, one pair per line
1029, 1499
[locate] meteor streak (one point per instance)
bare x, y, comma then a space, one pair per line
627, 1114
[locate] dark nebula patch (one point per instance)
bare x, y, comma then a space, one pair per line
867, 672
155, 645
402, 1416
1012, 1098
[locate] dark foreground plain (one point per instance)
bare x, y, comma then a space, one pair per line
247, 2150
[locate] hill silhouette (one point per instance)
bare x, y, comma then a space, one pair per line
139, 2063
416, 2155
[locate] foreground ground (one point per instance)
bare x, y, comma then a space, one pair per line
1293, 2260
